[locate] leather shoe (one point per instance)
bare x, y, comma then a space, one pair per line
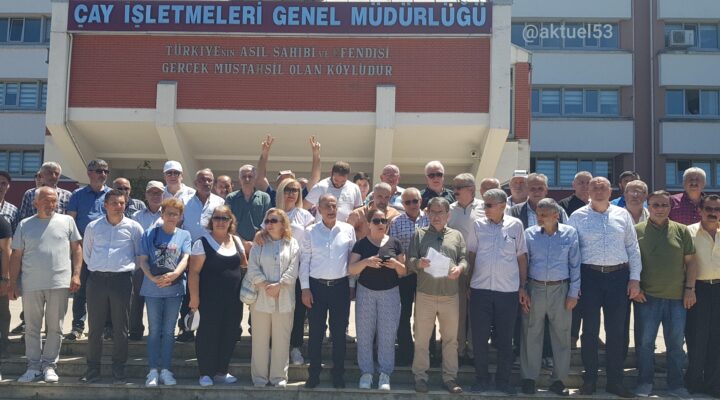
587, 389
620, 391
312, 382
527, 386
559, 389
453, 387
421, 386
90, 376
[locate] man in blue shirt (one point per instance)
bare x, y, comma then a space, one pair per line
553, 287
625, 178
86, 205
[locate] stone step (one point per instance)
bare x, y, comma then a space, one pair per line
189, 390
70, 368
243, 351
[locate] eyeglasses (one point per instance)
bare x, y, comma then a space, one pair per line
711, 209
221, 218
100, 171
659, 205
173, 173
413, 201
434, 175
378, 221
269, 221
291, 190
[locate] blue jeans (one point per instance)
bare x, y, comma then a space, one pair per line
162, 314
671, 314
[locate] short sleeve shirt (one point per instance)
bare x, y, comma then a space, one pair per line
168, 249
348, 197
662, 250
383, 278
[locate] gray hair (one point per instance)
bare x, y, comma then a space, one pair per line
538, 177
581, 174
97, 163
246, 167
382, 186
434, 164
495, 194
415, 192
325, 198
441, 201
204, 170
695, 170
637, 182
548, 204
392, 167
494, 181
466, 178
50, 165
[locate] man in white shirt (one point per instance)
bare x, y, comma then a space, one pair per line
347, 193
325, 286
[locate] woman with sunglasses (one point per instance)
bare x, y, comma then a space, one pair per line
379, 261
290, 200
273, 269
165, 253
214, 280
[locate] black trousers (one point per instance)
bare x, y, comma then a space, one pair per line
408, 287
296, 336
702, 332
137, 305
216, 336
4, 323
498, 310
576, 321
335, 301
108, 291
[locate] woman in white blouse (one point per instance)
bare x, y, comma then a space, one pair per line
273, 269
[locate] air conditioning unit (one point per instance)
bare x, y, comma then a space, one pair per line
682, 38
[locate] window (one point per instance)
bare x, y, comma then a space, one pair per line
674, 170
566, 35
708, 37
25, 30
561, 172
23, 95
705, 35
575, 102
692, 103
20, 162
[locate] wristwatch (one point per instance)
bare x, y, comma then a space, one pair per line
690, 288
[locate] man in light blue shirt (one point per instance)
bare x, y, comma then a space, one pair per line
553, 288
110, 249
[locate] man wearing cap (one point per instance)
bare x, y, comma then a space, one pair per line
518, 188
262, 181
147, 218
86, 205
131, 205
435, 180
174, 186
223, 186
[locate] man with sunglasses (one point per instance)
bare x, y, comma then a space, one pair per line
381, 200
703, 319
403, 228
667, 284
174, 186
463, 214
434, 177
86, 205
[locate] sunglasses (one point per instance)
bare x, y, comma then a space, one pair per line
221, 218
378, 221
434, 175
291, 190
711, 209
173, 173
413, 201
269, 221
100, 171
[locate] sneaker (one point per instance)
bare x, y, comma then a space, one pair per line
296, 357
29, 376
384, 381
152, 378
49, 375
366, 381
226, 379
205, 381
281, 384
167, 378
74, 335
680, 393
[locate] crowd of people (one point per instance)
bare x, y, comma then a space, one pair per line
522, 273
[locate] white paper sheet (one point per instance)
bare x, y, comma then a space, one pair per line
439, 264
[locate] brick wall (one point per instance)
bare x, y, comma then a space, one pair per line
522, 112
431, 75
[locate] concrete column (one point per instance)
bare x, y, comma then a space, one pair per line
384, 128
174, 144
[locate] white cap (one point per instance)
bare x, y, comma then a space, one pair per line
519, 173
154, 185
172, 166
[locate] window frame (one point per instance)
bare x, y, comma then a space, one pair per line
685, 110
43, 31
24, 172
40, 103
540, 113
556, 181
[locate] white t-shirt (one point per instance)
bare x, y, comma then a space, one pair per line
348, 197
199, 250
